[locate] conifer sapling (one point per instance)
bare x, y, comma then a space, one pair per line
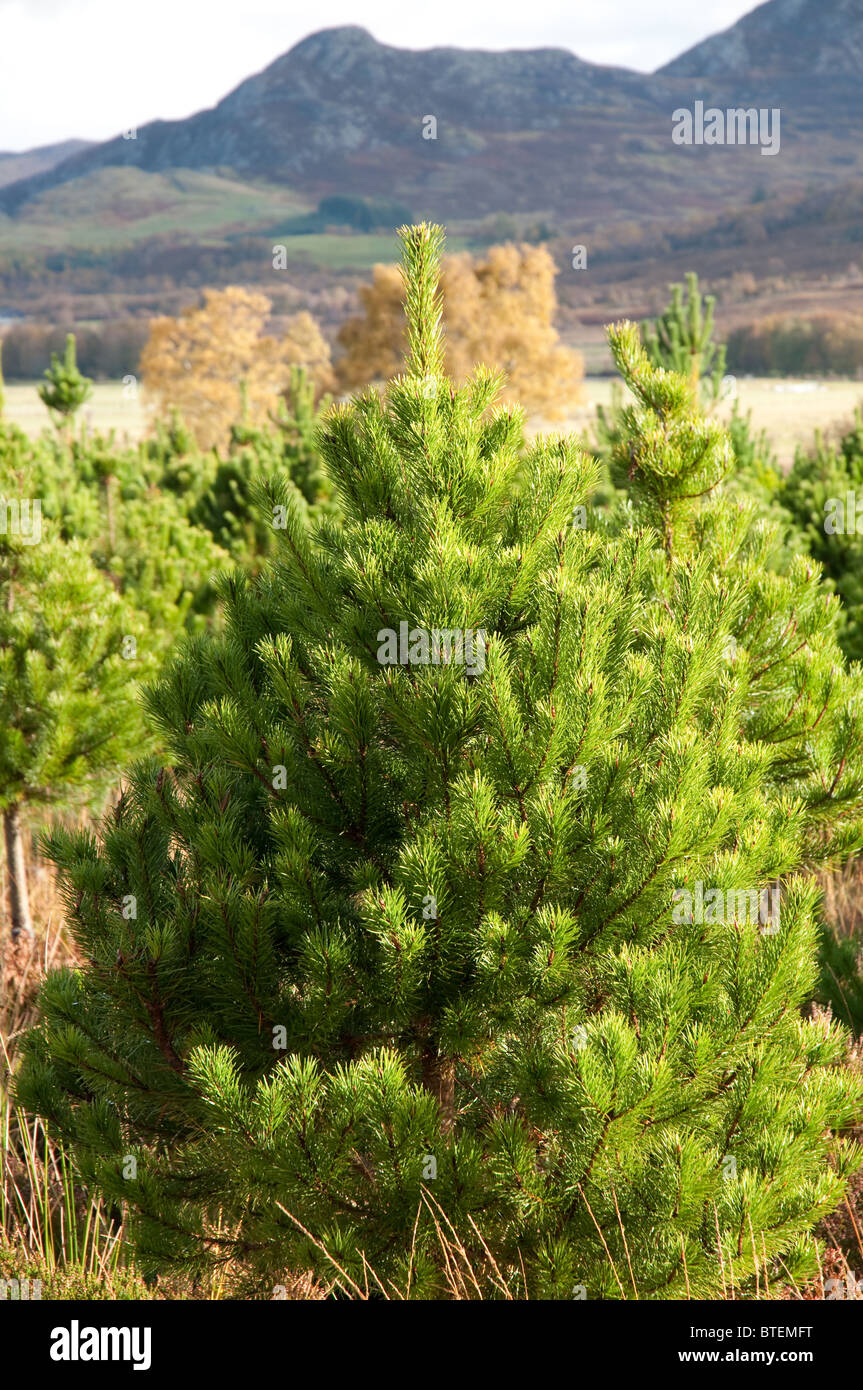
411, 958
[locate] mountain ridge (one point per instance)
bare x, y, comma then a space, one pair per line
518, 130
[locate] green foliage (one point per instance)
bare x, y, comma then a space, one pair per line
364, 214
409, 937
344, 210
681, 339
65, 389
68, 706
668, 455
821, 493
136, 534
229, 505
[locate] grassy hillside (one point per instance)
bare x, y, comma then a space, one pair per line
114, 208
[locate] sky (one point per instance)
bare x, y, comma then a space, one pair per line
91, 68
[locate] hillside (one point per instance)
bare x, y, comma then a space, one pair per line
521, 131
782, 39
15, 167
536, 144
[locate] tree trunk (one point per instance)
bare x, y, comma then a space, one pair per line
16, 872
439, 1078
109, 512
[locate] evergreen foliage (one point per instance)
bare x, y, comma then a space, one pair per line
229, 505
137, 534
822, 493
681, 339
408, 944
68, 707
65, 389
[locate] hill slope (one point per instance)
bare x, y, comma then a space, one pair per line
782, 39
14, 167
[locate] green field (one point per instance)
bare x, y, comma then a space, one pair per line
790, 411
113, 209
109, 408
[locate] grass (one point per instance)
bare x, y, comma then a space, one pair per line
790, 416
114, 208
790, 410
50, 1230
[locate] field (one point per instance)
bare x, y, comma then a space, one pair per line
790, 411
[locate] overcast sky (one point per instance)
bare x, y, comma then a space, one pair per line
91, 68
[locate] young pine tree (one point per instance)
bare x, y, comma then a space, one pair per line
137, 534
68, 707
228, 505
823, 492
410, 957
681, 338
65, 389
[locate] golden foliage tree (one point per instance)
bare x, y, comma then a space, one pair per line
206, 361
499, 310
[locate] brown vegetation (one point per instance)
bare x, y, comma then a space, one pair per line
499, 310
215, 364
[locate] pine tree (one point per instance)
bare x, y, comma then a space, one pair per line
677, 467
228, 505
68, 707
823, 494
136, 534
681, 338
65, 389
412, 961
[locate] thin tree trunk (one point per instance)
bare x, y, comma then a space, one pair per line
439, 1078
16, 873
109, 512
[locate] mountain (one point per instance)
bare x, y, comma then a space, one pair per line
342, 112
537, 131
14, 167
783, 39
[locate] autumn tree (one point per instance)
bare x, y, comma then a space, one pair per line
215, 363
374, 340
499, 310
